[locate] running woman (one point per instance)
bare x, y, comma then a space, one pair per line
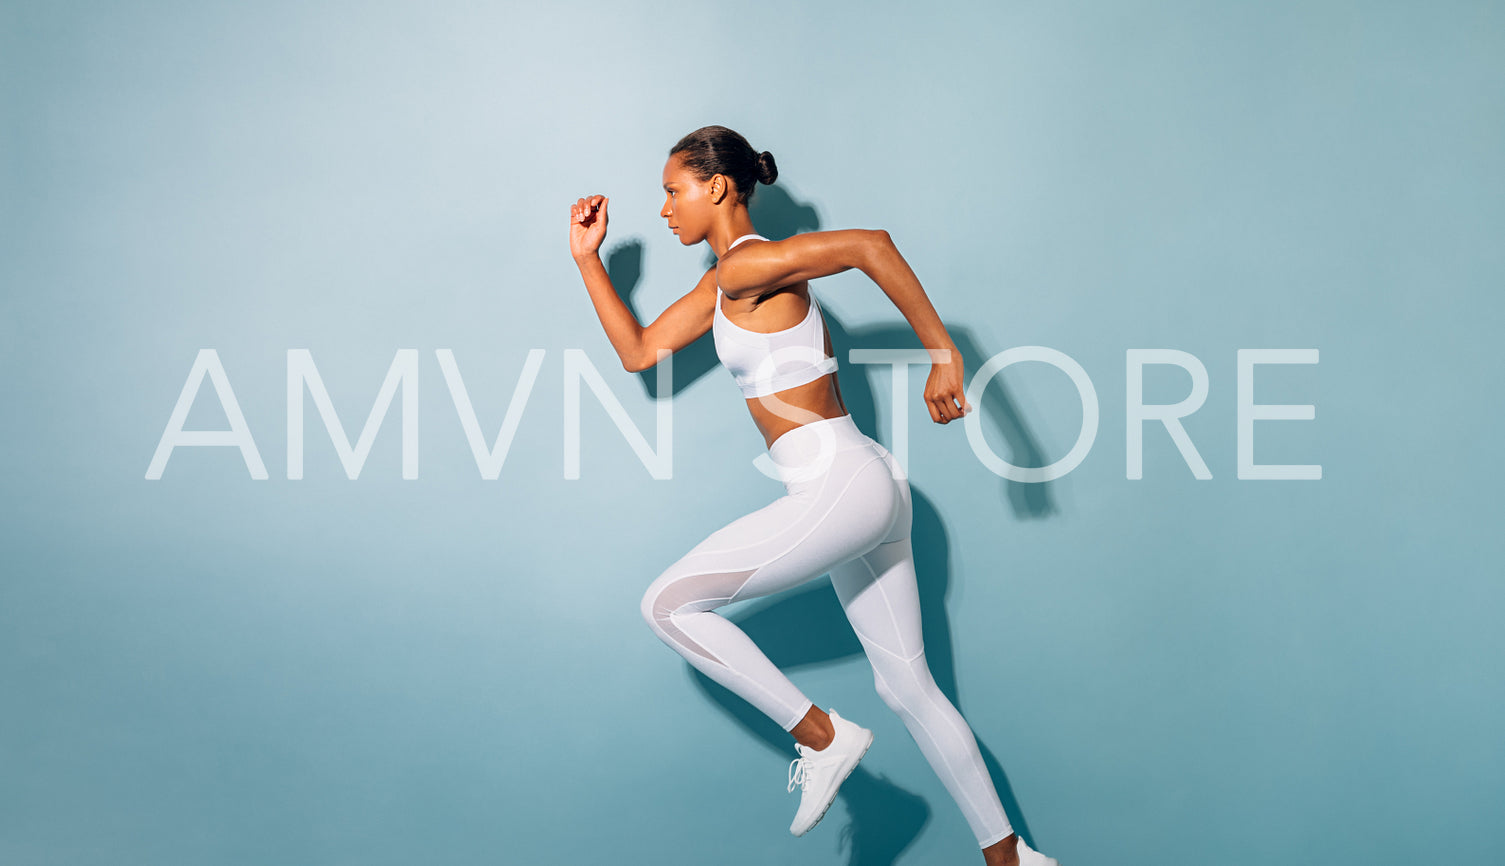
847, 511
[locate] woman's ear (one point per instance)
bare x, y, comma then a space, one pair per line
719, 188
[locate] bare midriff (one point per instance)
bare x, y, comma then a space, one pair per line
809, 402
782, 411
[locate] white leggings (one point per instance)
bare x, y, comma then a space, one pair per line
848, 513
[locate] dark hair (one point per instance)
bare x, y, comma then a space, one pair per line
717, 150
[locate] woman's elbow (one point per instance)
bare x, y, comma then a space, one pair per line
878, 245
645, 360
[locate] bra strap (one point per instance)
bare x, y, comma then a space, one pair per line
745, 237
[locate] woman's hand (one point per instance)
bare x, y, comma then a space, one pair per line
945, 395
587, 226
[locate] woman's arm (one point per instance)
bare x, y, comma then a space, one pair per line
753, 269
684, 322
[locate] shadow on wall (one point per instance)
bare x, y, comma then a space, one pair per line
806, 626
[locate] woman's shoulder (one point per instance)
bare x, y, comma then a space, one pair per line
760, 267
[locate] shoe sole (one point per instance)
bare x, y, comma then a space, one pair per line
865, 746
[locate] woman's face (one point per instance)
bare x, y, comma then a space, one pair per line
687, 202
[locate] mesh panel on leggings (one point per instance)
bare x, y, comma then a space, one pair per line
696, 592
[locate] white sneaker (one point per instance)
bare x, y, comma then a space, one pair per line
1030, 857
820, 773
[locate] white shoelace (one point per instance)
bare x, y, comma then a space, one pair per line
799, 773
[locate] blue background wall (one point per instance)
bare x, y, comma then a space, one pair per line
207, 668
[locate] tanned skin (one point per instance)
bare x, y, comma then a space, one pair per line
767, 288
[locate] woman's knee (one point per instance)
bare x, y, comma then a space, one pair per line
678, 590
904, 685
888, 695
652, 607
902, 695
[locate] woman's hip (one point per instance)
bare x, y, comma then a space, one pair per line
813, 451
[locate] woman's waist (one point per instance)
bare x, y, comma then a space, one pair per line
809, 442
780, 413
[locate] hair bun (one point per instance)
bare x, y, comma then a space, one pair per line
768, 171
713, 150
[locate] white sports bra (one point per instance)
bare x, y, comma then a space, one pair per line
763, 363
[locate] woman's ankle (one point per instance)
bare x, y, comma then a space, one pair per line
815, 730
1005, 852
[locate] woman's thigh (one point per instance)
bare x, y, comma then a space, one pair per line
879, 590
904, 516
796, 538
881, 597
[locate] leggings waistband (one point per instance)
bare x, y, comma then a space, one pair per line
803, 445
